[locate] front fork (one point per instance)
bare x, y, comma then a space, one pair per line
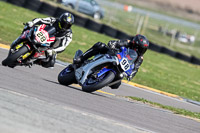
25, 55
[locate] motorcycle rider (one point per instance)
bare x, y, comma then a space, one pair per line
63, 35
139, 43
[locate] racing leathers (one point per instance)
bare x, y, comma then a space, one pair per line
126, 43
62, 39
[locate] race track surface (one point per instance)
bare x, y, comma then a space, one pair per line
31, 100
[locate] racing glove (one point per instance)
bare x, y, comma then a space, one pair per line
30, 24
129, 78
135, 70
113, 44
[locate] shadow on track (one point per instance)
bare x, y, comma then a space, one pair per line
76, 88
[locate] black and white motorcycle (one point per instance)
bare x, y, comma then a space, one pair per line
36, 41
100, 71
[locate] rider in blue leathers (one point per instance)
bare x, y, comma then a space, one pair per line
139, 43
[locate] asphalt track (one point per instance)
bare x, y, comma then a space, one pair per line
31, 100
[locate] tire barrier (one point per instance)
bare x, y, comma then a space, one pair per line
168, 52
32, 4
94, 26
182, 57
47, 9
17, 2
155, 47
122, 35
58, 12
108, 31
195, 60
50, 10
80, 21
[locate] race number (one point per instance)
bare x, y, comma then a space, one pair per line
41, 37
124, 64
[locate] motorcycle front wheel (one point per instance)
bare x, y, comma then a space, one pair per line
66, 77
11, 60
92, 84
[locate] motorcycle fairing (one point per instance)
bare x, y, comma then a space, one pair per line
103, 71
127, 62
82, 72
42, 36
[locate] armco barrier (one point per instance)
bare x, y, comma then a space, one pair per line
47, 9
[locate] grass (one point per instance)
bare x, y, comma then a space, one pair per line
158, 9
128, 22
130, 25
174, 110
158, 71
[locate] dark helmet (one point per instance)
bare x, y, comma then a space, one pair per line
140, 41
66, 20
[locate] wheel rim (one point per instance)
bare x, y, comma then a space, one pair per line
95, 81
64, 72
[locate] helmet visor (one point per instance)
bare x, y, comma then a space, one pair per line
65, 25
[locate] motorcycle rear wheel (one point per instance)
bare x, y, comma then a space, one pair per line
102, 82
66, 77
11, 60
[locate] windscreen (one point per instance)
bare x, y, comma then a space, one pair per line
131, 56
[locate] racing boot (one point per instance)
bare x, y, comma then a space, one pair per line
51, 60
80, 59
99, 47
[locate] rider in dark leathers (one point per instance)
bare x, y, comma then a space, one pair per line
139, 43
63, 35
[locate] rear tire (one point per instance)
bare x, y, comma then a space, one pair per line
66, 77
11, 60
103, 81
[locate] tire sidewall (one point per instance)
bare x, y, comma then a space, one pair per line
11, 60
68, 78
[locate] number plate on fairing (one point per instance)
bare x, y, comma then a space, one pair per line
125, 64
41, 37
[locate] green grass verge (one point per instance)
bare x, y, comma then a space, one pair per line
158, 71
174, 110
128, 22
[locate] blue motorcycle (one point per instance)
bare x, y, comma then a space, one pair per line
103, 70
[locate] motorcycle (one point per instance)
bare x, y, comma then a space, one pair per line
36, 41
103, 70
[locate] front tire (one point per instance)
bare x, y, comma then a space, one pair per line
11, 60
66, 77
102, 82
